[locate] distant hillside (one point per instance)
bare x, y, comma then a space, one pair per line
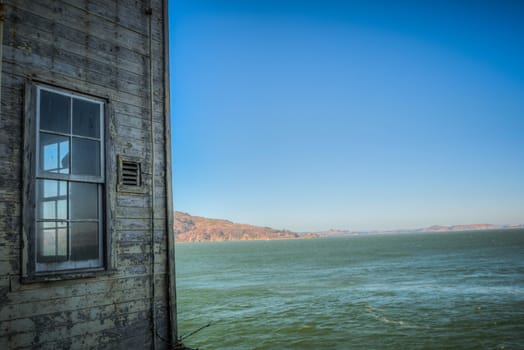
189, 228
471, 227
199, 229
434, 228
334, 233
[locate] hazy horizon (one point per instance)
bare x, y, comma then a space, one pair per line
310, 115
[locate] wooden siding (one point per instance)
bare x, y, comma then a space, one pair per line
98, 48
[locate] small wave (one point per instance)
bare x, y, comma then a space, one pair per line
374, 313
386, 320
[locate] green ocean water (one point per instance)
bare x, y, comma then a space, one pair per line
405, 291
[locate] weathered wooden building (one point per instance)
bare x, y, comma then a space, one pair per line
86, 245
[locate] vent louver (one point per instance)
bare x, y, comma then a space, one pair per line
130, 173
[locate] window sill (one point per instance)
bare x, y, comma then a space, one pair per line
66, 275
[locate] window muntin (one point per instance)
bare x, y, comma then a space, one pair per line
69, 181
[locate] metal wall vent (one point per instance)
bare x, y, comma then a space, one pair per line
129, 175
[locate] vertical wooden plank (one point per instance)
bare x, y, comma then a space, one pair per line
171, 271
28, 222
110, 186
1, 47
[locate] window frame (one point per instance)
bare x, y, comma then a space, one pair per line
32, 269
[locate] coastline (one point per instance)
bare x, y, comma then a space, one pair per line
356, 234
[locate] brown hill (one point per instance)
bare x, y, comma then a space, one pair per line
199, 229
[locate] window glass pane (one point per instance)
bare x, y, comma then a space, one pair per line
52, 200
55, 112
86, 118
62, 188
54, 153
62, 240
48, 242
84, 201
52, 241
49, 210
84, 241
86, 157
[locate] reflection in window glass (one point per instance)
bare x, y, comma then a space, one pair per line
54, 153
86, 118
86, 157
54, 209
52, 241
84, 201
55, 112
53, 188
84, 241
49, 209
52, 200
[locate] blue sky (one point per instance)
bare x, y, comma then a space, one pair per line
310, 115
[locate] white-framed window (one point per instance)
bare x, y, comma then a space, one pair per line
68, 182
